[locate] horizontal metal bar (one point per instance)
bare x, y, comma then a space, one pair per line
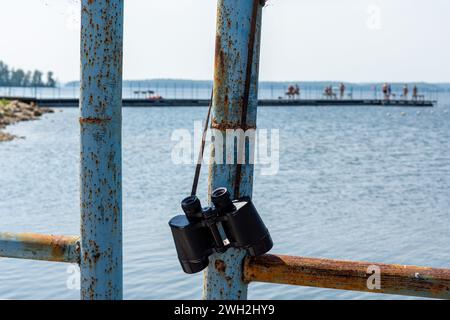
40, 247
348, 275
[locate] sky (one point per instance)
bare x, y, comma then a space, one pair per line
305, 40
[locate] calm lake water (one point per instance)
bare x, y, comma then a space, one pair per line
354, 183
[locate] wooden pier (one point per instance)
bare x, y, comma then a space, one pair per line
74, 103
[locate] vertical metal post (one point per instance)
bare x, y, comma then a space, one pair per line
234, 107
101, 159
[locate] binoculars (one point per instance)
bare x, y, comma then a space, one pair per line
197, 233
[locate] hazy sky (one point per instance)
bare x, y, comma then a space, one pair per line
350, 40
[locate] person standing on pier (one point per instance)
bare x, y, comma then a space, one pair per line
405, 92
297, 91
385, 91
389, 91
415, 92
342, 90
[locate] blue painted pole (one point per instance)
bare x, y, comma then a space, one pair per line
101, 159
234, 107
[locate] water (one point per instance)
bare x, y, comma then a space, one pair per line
354, 183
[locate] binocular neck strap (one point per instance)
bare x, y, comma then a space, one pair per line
202, 149
248, 78
248, 71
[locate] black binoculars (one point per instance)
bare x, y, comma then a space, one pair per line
197, 236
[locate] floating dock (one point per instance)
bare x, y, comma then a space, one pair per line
74, 103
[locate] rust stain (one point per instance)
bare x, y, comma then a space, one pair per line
348, 275
223, 126
220, 266
94, 120
57, 246
219, 64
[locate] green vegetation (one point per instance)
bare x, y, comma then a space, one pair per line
3, 102
20, 78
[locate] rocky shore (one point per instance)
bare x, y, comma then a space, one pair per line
12, 112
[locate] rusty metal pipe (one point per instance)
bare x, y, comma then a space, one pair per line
235, 103
349, 275
40, 247
101, 149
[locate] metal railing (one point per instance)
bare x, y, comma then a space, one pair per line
186, 90
40, 247
99, 250
350, 275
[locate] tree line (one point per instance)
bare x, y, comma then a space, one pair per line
20, 78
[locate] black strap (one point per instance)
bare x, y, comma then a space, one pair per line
251, 51
202, 149
248, 78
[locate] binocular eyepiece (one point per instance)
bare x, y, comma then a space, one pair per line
197, 233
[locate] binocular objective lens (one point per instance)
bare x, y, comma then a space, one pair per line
192, 207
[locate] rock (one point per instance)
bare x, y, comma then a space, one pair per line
16, 111
46, 110
6, 137
28, 114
